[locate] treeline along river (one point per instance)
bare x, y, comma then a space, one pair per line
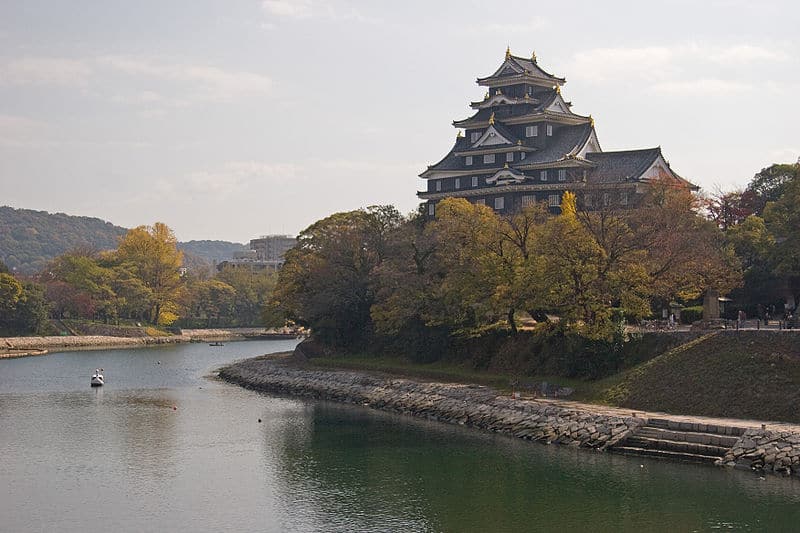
163, 446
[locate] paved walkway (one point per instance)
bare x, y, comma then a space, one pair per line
618, 411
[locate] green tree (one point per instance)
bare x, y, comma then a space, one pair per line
10, 293
782, 217
31, 312
253, 290
769, 184
325, 281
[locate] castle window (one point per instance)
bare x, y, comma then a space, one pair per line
549, 130
606, 199
431, 209
474, 181
554, 200
475, 136
562, 175
468, 160
531, 131
510, 157
499, 203
458, 183
522, 155
438, 185
623, 198
480, 201
488, 158
543, 175
528, 200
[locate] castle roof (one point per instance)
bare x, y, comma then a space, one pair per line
516, 68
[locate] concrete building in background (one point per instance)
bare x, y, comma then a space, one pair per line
265, 252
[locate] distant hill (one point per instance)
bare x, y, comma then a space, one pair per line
30, 239
211, 251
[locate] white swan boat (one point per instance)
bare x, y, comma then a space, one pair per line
97, 379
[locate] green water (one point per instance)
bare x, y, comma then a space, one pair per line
163, 448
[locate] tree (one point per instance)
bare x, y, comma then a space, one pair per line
214, 300
10, 293
151, 252
325, 281
768, 185
782, 217
253, 290
686, 253
730, 208
31, 311
591, 266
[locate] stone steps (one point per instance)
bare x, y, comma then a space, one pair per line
676, 446
683, 441
709, 439
665, 454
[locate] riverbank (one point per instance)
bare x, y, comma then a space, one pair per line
25, 346
752, 444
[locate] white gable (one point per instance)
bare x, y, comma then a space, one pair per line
558, 106
658, 169
505, 177
491, 137
591, 145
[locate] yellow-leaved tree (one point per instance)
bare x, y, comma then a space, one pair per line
152, 253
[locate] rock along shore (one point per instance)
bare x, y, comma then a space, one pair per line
470, 405
775, 449
25, 346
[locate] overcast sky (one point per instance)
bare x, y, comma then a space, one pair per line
232, 119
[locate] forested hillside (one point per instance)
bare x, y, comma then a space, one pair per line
30, 239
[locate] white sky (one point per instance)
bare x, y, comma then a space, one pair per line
232, 119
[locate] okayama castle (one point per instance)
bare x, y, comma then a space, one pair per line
524, 145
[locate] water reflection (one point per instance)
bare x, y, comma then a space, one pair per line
161, 448
375, 468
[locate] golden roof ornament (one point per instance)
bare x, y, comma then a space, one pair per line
491, 118
499, 91
533, 56
519, 142
557, 89
508, 52
505, 166
460, 134
486, 96
591, 121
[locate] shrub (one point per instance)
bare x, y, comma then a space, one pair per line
692, 314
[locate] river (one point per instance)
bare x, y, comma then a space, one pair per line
164, 447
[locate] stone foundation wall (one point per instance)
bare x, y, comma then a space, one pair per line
770, 450
469, 405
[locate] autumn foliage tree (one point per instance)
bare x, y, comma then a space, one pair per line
151, 252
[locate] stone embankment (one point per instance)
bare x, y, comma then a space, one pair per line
771, 450
734, 443
469, 405
25, 346
32, 345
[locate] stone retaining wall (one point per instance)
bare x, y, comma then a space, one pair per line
83, 341
470, 405
766, 449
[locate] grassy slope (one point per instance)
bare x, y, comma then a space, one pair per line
741, 375
738, 375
